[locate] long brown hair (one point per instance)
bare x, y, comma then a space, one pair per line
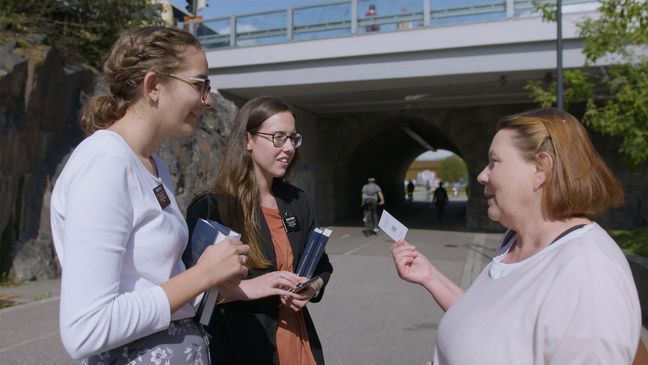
236, 186
579, 183
134, 54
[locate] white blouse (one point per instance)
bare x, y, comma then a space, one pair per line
116, 246
575, 302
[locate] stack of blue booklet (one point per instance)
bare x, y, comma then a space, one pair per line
313, 252
207, 232
204, 234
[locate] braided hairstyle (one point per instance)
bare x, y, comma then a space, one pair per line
134, 54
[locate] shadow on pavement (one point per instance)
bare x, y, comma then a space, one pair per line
420, 215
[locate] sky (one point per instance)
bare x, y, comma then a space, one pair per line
222, 8
436, 155
225, 8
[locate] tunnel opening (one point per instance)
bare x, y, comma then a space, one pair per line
384, 149
435, 191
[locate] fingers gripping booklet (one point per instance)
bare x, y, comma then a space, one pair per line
207, 232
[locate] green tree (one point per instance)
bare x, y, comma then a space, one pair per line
453, 168
616, 99
83, 30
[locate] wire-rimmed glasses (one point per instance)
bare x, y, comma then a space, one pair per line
202, 85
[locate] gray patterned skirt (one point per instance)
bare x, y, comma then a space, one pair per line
183, 343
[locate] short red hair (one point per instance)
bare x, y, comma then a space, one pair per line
579, 183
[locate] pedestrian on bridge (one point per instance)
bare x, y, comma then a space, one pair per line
117, 229
559, 290
256, 320
371, 13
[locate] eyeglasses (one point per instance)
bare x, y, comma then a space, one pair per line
202, 85
279, 139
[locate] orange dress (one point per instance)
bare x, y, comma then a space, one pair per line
293, 347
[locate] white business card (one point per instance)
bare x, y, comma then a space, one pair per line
390, 225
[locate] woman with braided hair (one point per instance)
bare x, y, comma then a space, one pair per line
117, 229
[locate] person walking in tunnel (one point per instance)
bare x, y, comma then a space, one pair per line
372, 196
440, 199
256, 321
559, 289
410, 190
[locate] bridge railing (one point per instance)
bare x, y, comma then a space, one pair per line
349, 17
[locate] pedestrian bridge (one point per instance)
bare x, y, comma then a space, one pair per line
432, 75
452, 55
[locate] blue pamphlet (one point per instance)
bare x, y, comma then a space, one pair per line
313, 252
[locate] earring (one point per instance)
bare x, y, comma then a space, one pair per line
154, 99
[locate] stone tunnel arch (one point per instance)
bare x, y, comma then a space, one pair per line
354, 146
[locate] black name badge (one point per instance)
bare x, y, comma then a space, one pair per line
161, 196
290, 222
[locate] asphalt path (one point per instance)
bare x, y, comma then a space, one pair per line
367, 316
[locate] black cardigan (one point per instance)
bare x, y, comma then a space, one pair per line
244, 332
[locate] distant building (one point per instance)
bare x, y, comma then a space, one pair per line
172, 16
420, 170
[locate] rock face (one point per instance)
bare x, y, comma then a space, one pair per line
193, 161
40, 98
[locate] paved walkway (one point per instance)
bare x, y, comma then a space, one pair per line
368, 315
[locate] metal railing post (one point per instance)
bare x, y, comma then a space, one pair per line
289, 23
426, 13
510, 8
354, 16
233, 31
559, 60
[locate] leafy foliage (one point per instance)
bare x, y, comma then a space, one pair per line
83, 30
616, 99
453, 168
635, 240
577, 88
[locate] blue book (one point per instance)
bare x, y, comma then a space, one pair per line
204, 234
304, 260
317, 252
207, 232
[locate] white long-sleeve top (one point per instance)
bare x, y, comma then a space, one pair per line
575, 302
116, 245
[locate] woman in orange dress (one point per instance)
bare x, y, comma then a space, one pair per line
256, 320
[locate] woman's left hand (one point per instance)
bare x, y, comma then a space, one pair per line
299, 300
269, 284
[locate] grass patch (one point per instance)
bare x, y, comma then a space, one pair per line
4, 279
39, 297
5, 282
634, 240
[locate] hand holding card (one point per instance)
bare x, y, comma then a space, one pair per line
390, 225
